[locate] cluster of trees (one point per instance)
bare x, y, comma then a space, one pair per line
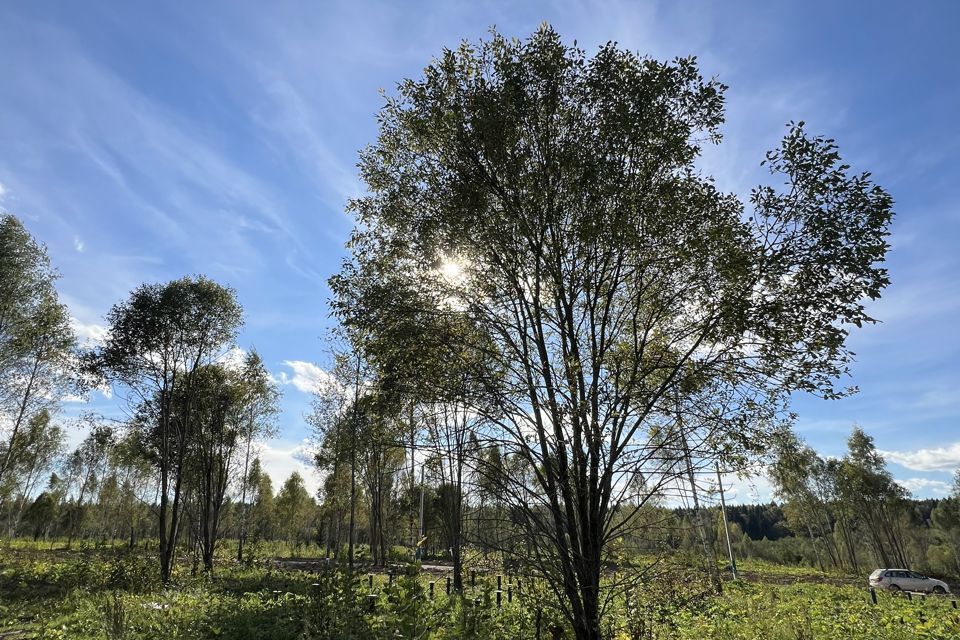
417, 504
540, 270
37, 363
197, 413
856, 517
759, 521
547, 310
414, 476
104, 493
196, 407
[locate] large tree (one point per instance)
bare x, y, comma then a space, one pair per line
36, 340
159, 341
551, 203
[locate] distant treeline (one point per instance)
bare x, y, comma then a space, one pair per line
758, 521
768, 521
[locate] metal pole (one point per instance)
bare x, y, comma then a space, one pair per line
726, 528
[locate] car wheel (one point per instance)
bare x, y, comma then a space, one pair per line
894, 587
939, 590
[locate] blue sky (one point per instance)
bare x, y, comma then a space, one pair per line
144, 142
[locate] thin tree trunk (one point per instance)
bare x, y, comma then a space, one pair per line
413, 484
243, 495
457, 536
816, 552
18, 422
353, 465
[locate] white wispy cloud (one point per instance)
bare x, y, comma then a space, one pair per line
233, 359
940, 397
945, 458
294, 122
306, 376
281, 458
916, 485
165, 164
756, 489
88, 334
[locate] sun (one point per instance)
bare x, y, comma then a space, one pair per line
451, 270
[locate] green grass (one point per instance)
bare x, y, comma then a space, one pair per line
98, 594
88, 594
807, 611
764, 568
94, 594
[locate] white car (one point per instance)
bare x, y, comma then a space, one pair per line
903, 580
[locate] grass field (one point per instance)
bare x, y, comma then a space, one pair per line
87, 594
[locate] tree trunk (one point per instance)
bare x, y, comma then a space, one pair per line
457, 522
18, 422
353, 466
164, 543
337, 539
171, 531
413, 485
327, 538
244, 508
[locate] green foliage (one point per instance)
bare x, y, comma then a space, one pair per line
537, 247
807, 611
37, 363
87, 596
133, 573
80, 595
295, 510
336, 608
849, 507
344, 607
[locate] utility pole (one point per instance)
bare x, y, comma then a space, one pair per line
726, 527
709, 550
